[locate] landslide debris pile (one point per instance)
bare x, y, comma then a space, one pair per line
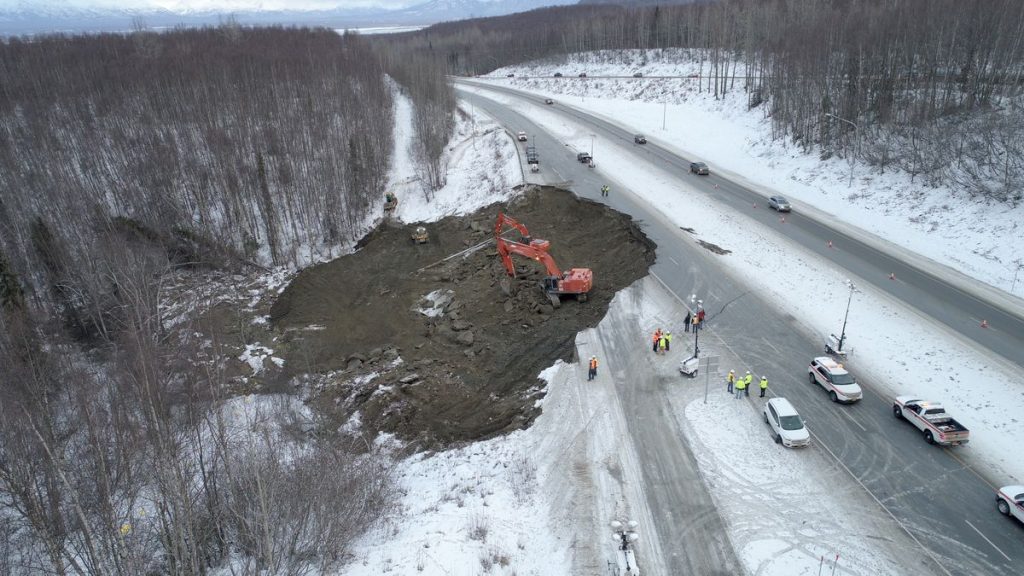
450, 352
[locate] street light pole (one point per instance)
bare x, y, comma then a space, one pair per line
697, 305
842, 335
592, 145
856, 136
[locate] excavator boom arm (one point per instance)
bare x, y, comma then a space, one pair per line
508, 247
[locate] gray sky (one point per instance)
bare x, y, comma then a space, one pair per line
217, 5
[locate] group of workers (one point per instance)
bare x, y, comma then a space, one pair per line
696, 320
662, 342
742, 385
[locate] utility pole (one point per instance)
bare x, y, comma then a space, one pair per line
664, 112
842, 335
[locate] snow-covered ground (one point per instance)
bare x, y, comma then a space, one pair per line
504, 506
982, 240
894, 345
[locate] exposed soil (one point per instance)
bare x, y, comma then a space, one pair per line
470, 371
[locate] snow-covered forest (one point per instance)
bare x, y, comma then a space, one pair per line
929, 87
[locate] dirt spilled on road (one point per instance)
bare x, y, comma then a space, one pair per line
445, 352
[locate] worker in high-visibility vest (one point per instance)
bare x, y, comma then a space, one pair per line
747, 379
592, 373
764, 385
729, 381
741, 385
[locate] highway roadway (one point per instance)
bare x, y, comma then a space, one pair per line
945, 507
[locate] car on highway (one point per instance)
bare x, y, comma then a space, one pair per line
510, 75
779, 203
638, 75
583, 74
558, 74
785, 423
699, 168
830, 375
639, 139
584, 157
1010, 501
549, 101
521, 136
932, 420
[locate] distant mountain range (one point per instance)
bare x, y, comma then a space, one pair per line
24, 18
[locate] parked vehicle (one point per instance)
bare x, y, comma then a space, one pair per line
785, 423
510, 75
779, 203
699, 168
932, 420
638, 75
1010, 501
521, 136
639, 139
558, 74
831, 376
549, 101
583, 74
531, 155
584, 158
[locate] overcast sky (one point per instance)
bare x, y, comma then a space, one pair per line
215, 5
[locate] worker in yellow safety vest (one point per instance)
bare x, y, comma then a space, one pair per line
741, 385
729, 381
747, 379
764, 385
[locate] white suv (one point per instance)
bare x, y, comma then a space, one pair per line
787, 425
521, 136
830, 375
1010, 501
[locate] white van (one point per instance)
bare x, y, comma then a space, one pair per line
786, 424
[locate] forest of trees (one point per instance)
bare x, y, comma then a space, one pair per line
931, 87
125, 158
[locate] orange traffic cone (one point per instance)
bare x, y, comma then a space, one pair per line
984, 323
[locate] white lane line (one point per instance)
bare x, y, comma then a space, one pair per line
673, 260
852, 419
898, 522
989, 541
884, 507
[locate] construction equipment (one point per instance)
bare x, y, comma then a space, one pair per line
390, 203
575, 281
420, 235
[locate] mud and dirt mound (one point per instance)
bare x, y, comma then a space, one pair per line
446, 351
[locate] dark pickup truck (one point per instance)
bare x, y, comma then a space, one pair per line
584, 157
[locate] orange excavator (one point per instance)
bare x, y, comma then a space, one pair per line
575, 281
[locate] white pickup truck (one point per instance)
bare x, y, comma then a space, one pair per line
932, 420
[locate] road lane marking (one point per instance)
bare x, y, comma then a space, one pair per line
817, 438
852, 419
987, 540
673, 260
883, 506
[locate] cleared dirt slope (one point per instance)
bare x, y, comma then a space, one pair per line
469, 371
